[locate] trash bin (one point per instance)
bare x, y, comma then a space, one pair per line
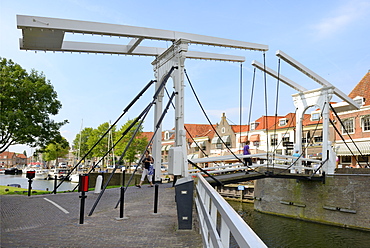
184, 202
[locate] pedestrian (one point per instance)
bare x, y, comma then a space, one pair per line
247, 152
147, 163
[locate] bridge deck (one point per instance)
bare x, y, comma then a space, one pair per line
35, 222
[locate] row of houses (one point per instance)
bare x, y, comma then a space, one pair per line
349, 134
11, 159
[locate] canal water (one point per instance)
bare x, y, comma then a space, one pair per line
36, 184
281, 232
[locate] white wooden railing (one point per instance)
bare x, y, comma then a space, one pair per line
216, 231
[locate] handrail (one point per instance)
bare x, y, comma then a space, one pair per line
217, 234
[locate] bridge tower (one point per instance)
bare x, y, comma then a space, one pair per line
308, 98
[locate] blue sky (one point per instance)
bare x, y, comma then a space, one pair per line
329, 37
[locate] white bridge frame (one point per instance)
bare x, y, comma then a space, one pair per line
305, 99
47, 34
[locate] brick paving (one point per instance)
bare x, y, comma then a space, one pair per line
35, 222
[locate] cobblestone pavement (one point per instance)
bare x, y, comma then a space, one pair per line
36, 222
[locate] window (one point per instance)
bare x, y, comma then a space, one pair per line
365, 123
315, 116
274, 139
363, 159
346, 160
306, 136
254, 125
359, 100
167, 135
348, 125
283, 122
286, 139
219, 145
223, 130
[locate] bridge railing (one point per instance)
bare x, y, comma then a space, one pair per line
218, 220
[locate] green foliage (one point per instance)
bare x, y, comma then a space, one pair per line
80, 143
137, 146
102, 147
58, 148
26, 102
90, 136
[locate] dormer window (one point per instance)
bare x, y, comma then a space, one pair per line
359, 100
166, 135
315, 116
283, 122
254, 125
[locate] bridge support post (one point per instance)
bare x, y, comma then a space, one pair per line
320, 98
173, 56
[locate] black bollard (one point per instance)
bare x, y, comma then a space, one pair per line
55, 184
156, 198
82, 207
30, 175
83, 187
122, 201
29, 186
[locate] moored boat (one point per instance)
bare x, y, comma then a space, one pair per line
61, 173
42, 174
13, 171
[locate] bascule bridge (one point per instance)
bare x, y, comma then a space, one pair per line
48, 34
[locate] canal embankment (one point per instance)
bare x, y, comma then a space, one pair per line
342, 200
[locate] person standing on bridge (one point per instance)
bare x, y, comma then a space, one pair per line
147, 162
247, 152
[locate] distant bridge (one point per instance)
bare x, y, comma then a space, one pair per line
283, 167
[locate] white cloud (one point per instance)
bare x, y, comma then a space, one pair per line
341, 18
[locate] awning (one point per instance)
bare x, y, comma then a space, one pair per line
255, 137
216, 140
163, 148
168, 147
363, 146
226, 138
243, 139
200, 144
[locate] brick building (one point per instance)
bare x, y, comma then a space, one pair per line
353, 143
12, 159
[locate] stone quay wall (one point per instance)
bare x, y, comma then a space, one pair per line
343, 200
116, 179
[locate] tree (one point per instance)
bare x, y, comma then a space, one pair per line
80, 143
102, 147
137, 146
56, 149
26, 103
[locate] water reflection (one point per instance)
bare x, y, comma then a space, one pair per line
36, 184
277, 231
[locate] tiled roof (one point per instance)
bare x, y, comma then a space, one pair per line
7, 154
290, 121
21, 155
198, 130
267, 121
362, 89
238, 128
146, 134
